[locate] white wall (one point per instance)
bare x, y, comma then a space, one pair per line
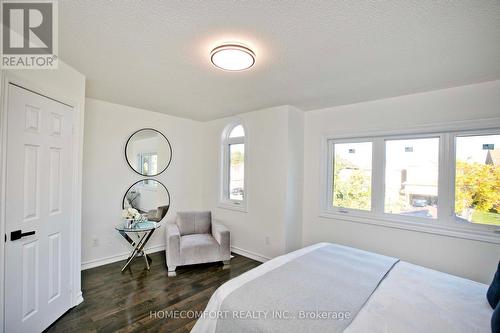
283, 176
295, 179
472, 259
274, 171
267, 169
107, 175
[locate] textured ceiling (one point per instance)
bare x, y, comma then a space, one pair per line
310, 54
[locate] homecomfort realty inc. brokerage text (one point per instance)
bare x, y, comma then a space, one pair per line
251, 315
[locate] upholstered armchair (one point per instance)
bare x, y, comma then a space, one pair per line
195, 239
156, 215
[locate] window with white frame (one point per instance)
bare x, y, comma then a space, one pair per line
477, 179
449, 180
352, 174
233, 171
148, 165
411, 177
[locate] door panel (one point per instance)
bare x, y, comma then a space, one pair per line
54, 266
55, 181
30, 279
31, 182
32, 118
38, 198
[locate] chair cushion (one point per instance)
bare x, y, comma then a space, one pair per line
152, 215
162, 211
199, 248
194, 222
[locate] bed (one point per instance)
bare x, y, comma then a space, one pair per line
332, 288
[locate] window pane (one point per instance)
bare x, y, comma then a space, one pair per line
411, 177
352, 178
477, 179
236, 171
148, 163
237, 132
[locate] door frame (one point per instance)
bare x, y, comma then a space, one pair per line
6, 78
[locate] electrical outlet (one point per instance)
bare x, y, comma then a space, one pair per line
95, 242
268, 240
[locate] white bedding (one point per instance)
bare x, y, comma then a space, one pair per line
416, 299
411, 299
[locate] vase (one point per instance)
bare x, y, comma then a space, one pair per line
129, 223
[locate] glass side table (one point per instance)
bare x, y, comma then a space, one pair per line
143, 232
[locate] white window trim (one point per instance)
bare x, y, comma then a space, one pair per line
224, 201
446, 223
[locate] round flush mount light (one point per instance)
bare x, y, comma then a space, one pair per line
232, 57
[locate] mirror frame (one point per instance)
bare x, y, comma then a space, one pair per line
156, 180
169, 147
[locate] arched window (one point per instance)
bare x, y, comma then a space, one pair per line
233, 170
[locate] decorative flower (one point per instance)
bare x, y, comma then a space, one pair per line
131, 213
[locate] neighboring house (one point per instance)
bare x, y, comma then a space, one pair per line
420, 183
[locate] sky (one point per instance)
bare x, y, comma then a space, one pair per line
470, 148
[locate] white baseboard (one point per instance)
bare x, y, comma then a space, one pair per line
122, 256
249, 254
117, 257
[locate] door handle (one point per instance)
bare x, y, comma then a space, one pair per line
18, 234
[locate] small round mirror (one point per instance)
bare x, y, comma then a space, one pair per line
149, 197
148, 152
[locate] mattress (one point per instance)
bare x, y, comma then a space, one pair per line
408, 298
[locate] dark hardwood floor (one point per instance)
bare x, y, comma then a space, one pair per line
121, 302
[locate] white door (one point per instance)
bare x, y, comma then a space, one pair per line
38, 199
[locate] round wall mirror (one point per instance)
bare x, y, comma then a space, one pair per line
148, 152
149, 197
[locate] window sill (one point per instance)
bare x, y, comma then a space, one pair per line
231, 206
489, 234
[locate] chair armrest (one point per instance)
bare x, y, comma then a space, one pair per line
173, 244
222, 236
152, 216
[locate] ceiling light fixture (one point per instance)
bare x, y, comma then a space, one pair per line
232, 57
